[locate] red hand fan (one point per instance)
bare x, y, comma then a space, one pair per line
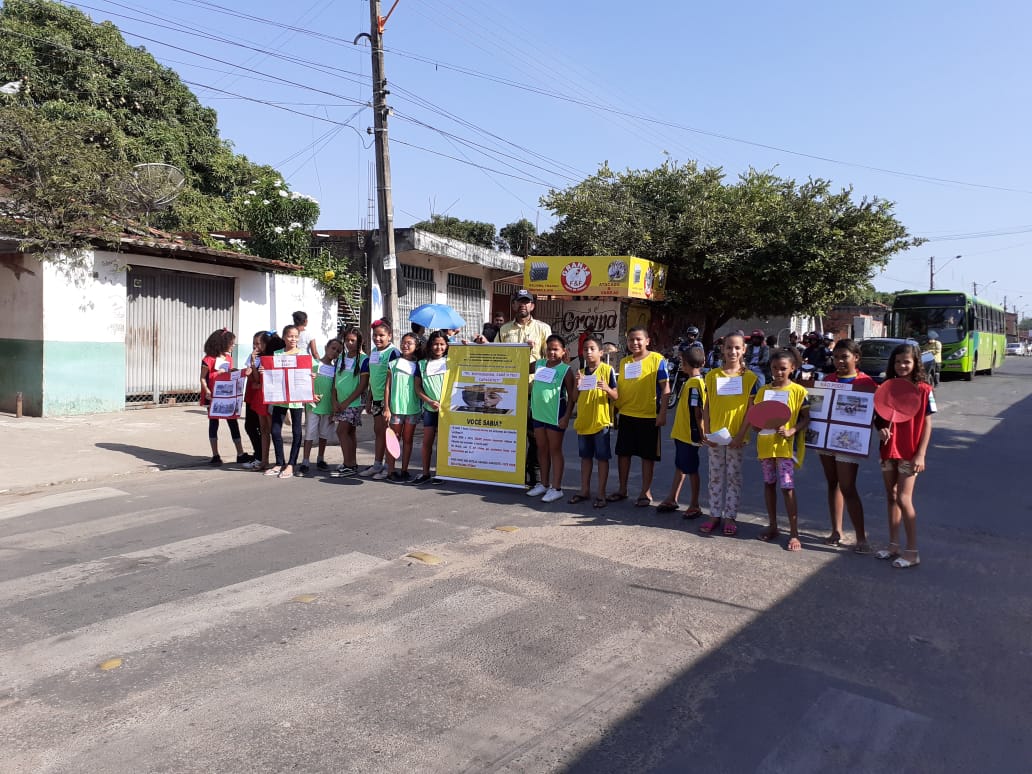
768, 415
897, 400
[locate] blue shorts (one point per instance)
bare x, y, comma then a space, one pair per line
686, 457
595, 446
430, 418
546, 426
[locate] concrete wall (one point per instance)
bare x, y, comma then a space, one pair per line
21, 332
63, 324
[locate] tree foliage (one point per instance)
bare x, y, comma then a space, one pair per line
280, 223
756, 247
517, 237
472, 231
58, 185
77, 73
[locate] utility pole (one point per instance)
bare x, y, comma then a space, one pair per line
931, 273
384, 198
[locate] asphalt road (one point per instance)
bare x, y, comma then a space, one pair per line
253, 625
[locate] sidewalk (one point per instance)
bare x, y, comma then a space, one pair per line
38, 453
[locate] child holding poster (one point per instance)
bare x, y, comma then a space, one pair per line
429, 382
840, 470
377, 365
596, 388
218, 357
284, 467
729, 390
643, 386
903, 448
687, 435
401, 404
550, 410
319, 415
351, 385
780, 449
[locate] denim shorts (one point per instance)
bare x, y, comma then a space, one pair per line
595, 446
430, 418
404, 419
538, 425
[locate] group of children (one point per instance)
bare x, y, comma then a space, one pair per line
400, 387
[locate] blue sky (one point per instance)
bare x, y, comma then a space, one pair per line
933, 90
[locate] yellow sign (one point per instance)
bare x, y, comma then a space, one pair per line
620, 276
482, 430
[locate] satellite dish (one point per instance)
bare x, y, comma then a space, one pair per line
155, 186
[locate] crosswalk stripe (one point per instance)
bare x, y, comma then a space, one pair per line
73, 576
59, 500
136, 631
59, 536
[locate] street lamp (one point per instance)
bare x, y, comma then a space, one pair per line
932, 269
974, 286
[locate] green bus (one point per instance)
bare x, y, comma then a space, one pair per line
971, 331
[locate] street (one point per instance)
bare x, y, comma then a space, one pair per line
201, 620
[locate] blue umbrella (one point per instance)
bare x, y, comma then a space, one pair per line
434, 317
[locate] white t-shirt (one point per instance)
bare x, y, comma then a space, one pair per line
304, 338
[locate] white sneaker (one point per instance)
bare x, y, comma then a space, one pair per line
372, 470
380, 475
552, 495
537, 490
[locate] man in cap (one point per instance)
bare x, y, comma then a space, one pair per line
523, 328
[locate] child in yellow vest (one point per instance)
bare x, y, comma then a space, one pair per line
643, 387
781, 449
687, 434
729, 391
596, 388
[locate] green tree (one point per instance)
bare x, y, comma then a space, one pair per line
279, 222
472, 231
61, 186
759, 246
76, 71
517, 237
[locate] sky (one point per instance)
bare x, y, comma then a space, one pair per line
495, 102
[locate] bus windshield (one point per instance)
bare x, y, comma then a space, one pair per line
946, 321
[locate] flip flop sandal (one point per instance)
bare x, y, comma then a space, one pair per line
577, 498
600, 502
692, 513
834, 539
730, 527
642, 502
615, 497
863, 549
273, 471
794, 544
902, 564
285, 474
666, 508
768, 535
709, 526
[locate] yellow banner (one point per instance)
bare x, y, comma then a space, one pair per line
621, 276
482, 431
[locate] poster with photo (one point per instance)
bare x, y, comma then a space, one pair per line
227, 395
820, 402
849, 439
483, 422
852, 407
817, 434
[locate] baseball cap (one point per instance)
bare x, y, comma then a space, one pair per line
523, 295
758, 332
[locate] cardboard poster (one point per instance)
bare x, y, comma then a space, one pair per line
287, 379
482, 432
840, 418
227, 396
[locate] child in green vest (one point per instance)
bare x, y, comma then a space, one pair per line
429, 382
550, 411
381, 355
319, 415
401, 404
352, 384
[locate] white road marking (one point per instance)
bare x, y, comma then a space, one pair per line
75, 575
60, 500
71, 533
152, 626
